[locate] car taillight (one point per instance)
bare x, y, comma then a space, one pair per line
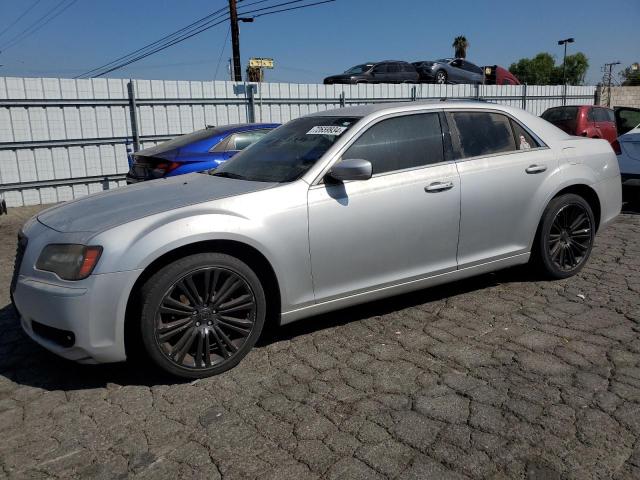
616, 147
162, 168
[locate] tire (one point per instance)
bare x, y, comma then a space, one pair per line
565, 236
217, 330
441, 77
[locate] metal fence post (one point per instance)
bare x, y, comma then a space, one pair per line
524, 96
477, 91
342, 100
413, 94
133, 115
251, 105
564, 94
597, 95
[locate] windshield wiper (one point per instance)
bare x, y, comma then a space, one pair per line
235, 176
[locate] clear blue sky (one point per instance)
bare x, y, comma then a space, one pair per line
311, 43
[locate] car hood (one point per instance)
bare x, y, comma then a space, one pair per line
105, 210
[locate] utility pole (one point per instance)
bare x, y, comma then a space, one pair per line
235, 40
608, 76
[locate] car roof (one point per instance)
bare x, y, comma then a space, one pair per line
364, 110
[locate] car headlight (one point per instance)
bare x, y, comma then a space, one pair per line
68, 261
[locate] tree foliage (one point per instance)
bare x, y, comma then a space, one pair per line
542, 70
460, 44
630, 77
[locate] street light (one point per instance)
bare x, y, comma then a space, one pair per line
564, 60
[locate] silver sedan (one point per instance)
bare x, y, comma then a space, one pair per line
330, 210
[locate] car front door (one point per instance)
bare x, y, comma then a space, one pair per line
456, 73
503, 174
398, 226
627, 119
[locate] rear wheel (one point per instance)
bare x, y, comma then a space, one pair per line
202, 314
566, 235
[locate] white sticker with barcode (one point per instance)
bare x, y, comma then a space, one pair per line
326, 130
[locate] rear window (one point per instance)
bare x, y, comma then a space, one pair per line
560, 114
480, 133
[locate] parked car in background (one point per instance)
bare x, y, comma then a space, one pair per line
330, 210
628, 123
388, 71
497, 75
449, 70
194, 152
585, 121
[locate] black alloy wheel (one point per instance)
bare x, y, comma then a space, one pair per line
566, 236
570, 237
202, 314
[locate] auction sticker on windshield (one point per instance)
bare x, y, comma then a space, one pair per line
326, 130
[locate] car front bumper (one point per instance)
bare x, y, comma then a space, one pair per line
84, 323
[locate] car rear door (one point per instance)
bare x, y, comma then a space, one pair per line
503, 174
605, 124
380, 73
400, 225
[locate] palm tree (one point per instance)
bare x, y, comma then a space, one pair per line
460, 44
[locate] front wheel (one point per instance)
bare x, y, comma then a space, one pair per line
566, 235
201, 314
441, 77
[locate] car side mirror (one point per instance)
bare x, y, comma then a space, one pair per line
351, 169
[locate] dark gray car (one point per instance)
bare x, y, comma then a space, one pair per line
388, 71
449, 70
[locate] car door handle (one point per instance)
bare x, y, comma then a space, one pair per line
438, 187
536, 168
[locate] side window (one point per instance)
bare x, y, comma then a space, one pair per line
393, 67
400, 142
240, 141
456, 63
591, 115
480, 133
506, 81
524, 141
381, 68
602, 115
611, 116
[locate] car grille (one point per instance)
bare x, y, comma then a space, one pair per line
22, 247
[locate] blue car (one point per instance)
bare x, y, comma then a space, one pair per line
194, 152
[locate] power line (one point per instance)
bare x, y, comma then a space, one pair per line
169, 41
293, 8
159, 49
155, 43
34, 27
33, 5
224, 46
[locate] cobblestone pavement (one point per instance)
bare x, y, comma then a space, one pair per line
501, 376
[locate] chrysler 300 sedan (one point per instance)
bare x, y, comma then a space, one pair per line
329, 210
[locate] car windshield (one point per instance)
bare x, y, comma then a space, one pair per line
359, 68
286, 153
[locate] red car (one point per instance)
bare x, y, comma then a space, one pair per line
496, 75
586, 121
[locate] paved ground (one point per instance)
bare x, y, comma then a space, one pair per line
502, 376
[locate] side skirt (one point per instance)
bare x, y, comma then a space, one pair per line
390, 291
